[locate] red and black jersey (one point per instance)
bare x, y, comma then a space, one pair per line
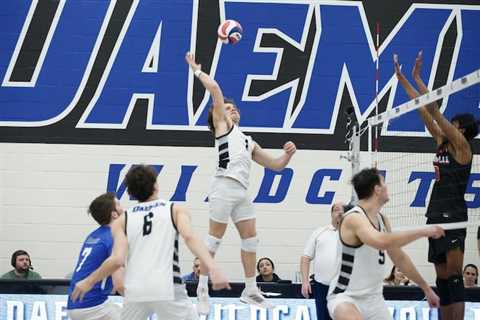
448, 195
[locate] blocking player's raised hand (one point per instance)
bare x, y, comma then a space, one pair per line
417, 68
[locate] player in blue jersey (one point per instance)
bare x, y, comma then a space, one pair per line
96, 249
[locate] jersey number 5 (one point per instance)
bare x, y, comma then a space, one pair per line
381, 258
147, 224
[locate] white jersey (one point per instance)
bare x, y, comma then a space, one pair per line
234, 155
361, 269
152, 265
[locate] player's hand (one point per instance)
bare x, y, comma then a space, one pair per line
398, 70
190, 58
289, 148
434, 232
81, 288
432, 298
218, 278
306, 289
417, 68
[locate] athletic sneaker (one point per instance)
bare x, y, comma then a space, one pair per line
203, 307
255, 297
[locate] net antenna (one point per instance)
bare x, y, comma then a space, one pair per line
352, 138
377, 80
409, 176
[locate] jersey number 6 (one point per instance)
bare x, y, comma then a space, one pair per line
147, 224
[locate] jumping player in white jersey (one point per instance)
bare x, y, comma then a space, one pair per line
365, 234
146, 237
228, 196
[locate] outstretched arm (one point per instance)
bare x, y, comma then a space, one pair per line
432, 127
264, 159
212, 86
362, 228
197, 247
403, 261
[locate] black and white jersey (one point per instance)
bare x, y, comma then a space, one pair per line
234, 155
361, 269
447, 201
152, 265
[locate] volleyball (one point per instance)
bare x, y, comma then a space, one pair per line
230, 31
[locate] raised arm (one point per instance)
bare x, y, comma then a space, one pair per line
197, 247
219, 115
264, 159
110, 265
403, 261
432, 127
359, 226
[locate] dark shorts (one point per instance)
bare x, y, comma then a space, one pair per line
320, 292
438, 248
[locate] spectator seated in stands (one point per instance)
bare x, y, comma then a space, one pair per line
266, 268
193, 276
396, 278
22, 267
470, 276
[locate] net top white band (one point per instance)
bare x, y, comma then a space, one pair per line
429, 97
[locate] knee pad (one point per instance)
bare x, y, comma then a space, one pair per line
457, 290
443, 292
212, 243
250, 244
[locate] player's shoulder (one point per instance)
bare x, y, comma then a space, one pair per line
354, 213
354, 216
100, 236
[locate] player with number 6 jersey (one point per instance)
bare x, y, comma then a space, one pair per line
95, 250
146, 238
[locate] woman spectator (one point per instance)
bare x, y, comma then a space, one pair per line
470, 275
396, 278
266, 268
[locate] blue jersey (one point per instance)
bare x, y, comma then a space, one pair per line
96, 249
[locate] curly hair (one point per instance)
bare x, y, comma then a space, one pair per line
140, 181
364, 182
467, 122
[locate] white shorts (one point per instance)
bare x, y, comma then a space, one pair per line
371, 307
105, 311
229, 198
179, 309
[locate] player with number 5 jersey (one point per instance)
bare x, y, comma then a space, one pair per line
364, 236
95, 250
